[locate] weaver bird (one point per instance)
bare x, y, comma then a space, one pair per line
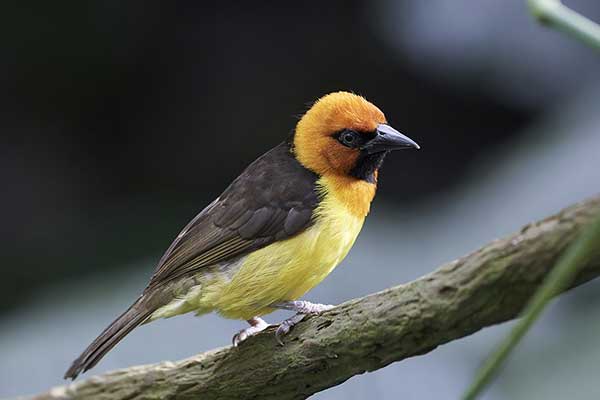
276, 232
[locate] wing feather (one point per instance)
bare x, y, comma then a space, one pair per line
273, 199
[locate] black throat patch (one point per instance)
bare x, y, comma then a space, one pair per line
367, 164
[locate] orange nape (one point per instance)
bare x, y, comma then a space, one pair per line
314, 145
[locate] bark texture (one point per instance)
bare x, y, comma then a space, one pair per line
486, 287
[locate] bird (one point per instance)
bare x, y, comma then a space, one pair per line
275, 232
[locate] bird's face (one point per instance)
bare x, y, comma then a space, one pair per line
344, 134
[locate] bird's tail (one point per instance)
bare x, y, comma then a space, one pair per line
136, 314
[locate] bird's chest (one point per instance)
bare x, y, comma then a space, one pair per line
286, 270
320, 249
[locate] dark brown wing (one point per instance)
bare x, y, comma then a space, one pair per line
273, 199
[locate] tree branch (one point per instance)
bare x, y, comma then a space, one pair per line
481, 289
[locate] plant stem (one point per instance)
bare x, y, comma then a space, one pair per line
559, 279
555, 14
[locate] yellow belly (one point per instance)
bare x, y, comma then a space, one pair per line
284, 270
288, 269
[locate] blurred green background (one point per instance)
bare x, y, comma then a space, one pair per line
120, 120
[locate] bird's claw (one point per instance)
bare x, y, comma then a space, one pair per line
287, 325
301, 308
240, 337
257, 325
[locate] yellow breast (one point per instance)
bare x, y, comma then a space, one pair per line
286, 270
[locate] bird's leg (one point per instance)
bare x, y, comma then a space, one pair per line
256, 325
301, 308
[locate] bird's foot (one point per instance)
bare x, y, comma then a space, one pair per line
301, 308
257, 325
287, 325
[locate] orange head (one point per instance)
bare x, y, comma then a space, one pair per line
343, 134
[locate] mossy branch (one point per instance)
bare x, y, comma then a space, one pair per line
558, 280
484, 288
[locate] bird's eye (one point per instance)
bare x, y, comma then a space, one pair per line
348, 138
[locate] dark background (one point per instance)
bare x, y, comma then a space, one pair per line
116, 113
120, 120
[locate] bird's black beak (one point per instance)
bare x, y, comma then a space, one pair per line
387, 139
